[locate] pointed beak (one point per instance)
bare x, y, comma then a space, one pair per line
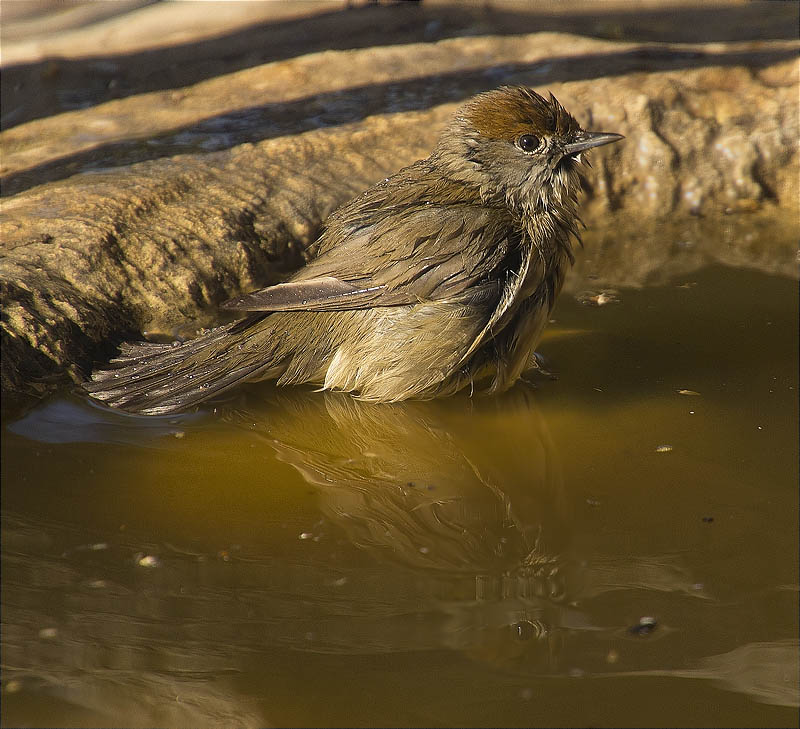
587, 140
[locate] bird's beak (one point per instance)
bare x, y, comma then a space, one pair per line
587, 140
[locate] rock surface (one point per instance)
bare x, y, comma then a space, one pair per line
142, 213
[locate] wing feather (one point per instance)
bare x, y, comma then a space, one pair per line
319, 294
429, 253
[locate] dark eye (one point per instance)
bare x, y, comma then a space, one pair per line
528, 142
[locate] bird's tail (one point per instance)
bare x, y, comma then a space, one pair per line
157, 379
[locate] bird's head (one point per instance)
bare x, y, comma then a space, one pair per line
518, 148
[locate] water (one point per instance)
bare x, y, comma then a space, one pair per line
617, 546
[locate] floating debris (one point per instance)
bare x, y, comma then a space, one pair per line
645, 626
147, 560
691, 393
663, 449
602, 298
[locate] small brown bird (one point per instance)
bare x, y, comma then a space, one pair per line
439, 277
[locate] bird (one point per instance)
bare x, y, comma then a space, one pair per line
440, 277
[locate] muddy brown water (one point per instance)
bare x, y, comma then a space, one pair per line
617, 546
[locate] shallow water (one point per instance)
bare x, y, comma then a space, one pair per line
617, 546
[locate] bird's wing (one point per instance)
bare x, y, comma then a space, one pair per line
430, 253
325, 293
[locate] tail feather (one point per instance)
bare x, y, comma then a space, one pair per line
157, 379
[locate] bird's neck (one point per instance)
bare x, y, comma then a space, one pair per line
554, 230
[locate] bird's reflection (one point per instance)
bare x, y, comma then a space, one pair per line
463, 486
465, 494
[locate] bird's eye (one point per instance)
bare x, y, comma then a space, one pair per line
528, 142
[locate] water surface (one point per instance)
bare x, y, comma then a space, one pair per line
617, 546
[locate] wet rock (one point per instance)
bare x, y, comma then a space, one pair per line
142, 213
